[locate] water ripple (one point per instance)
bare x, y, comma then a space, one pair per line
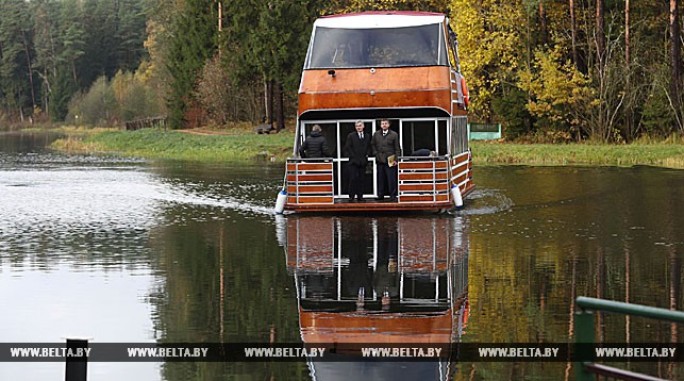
483, 201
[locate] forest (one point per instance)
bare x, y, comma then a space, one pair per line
547, 70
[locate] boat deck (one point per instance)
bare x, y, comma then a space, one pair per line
370, 204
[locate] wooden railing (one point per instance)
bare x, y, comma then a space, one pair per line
136, 124
309, 181
423, 180
460, 170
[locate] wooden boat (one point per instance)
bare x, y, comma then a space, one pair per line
386, 281
400, 66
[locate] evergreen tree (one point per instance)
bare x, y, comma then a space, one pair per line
16, 58
192, 43
100, 22
130, 35
63, 88
45, 14
268, 40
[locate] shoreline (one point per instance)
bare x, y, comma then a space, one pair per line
244, 145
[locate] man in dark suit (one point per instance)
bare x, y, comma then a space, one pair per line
357, 149
385, 144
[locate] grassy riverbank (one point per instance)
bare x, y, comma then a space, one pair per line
242, 145
662, 154
195, 145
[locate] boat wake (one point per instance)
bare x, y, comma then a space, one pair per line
223, 202
485, 201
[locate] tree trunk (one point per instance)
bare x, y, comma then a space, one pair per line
220, 16
627, 45
271, 117
30, 70
268, 101
573, 33
281, 108
600, 33
219, 8
629, 114
675, 55
542, 21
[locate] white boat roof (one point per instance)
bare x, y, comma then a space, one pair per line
369, 20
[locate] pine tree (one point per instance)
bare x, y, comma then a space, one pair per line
192, 43
45, 15
17, 91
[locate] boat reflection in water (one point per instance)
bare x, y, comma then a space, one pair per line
389, 281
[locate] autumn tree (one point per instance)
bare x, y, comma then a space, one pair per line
493, 47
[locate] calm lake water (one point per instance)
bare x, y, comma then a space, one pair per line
121, 250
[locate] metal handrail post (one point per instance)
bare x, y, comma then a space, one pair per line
584, 325
584, 333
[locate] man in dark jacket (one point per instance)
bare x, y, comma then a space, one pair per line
357, 149
385, 143
314, 145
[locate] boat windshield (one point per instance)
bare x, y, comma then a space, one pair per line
376, 47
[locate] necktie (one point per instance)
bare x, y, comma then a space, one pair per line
361, 135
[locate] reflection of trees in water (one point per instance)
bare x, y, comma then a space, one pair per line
603, 239
254, 305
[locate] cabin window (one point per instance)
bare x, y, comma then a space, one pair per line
420, 136
377, 47
442, 137
328, 130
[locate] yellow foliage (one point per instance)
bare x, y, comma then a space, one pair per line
491, 46
389, 5
555, 87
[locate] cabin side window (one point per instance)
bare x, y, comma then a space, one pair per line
452, 54
459, 134
453, 51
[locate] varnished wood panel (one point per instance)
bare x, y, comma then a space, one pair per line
386, 87
459, 179
427, 198
310, 166
368, 206
423, 187
318, 177
292, 189
310, 200
380, 79
422, 165
422, 176
439, 99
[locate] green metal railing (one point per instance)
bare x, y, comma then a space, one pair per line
584, 333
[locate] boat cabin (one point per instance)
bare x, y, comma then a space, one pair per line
399, 66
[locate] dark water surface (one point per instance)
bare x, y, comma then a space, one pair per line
122, 250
